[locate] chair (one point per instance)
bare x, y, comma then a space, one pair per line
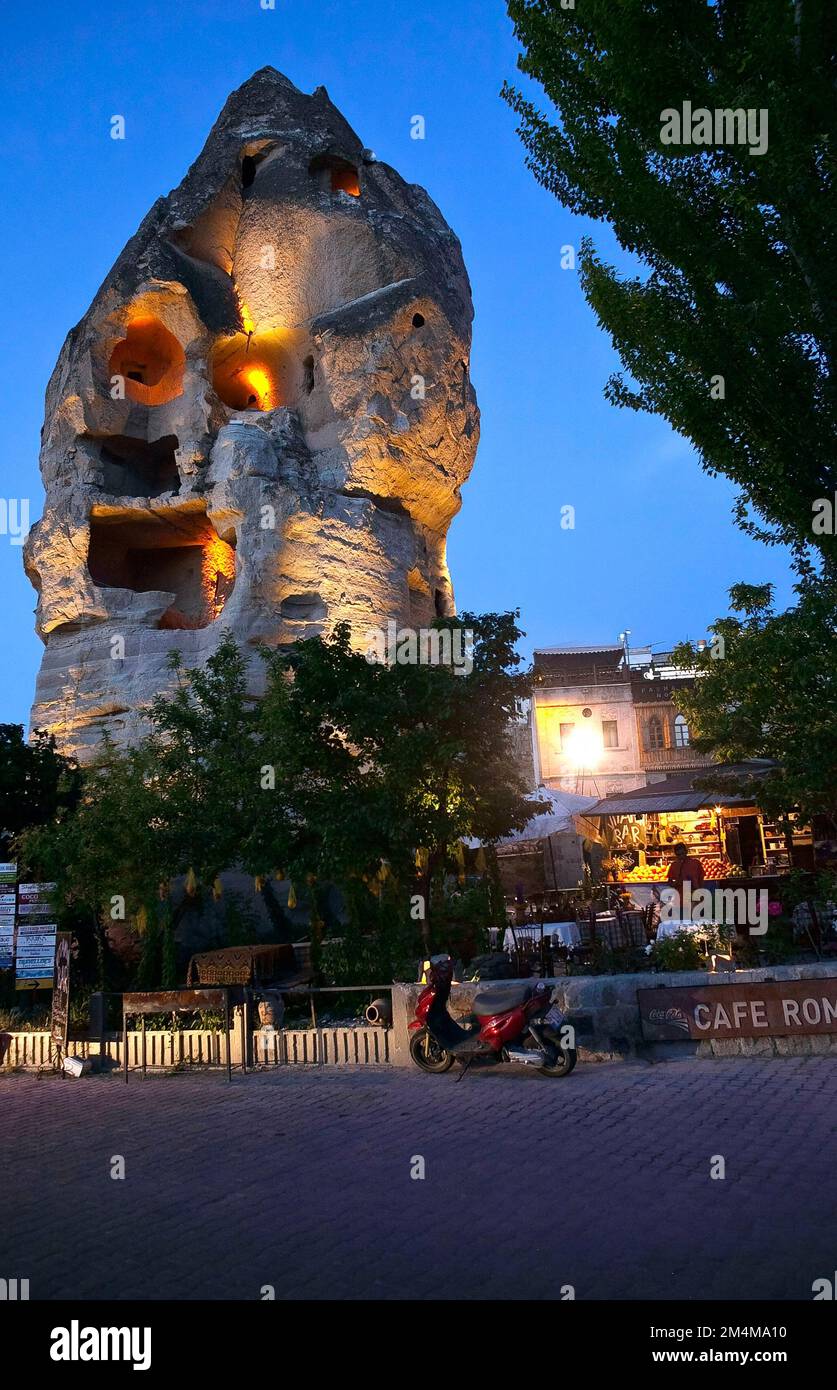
650, 923
585, 920
635, 926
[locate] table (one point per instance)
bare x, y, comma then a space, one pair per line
567, 933
670, 926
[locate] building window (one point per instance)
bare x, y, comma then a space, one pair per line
654, 737
610, 733
566, 732
681, 732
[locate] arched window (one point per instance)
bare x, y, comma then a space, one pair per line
681, 732
655, 737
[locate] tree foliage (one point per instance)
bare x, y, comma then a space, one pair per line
339, 773
773, 694
737, 259
37, 784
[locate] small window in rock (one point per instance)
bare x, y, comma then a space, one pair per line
308, 383
439, 603
418, 320
334, 174
248, 170
151, 361
303, 608
345, 181
135, 468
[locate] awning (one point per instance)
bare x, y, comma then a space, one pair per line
635, 803
679, 793
559, 817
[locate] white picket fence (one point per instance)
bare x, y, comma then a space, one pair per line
207, 1047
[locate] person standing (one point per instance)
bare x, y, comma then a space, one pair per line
684, 868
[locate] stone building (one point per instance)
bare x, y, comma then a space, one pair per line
261, 424
604, 719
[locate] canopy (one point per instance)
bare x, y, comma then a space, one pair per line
560, 817
680, 794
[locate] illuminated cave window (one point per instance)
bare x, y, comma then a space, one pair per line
150, 360
335, 175
179, 552
248, 370
137, 468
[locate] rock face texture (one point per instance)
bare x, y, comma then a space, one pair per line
261, 424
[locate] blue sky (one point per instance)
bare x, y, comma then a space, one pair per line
653, 547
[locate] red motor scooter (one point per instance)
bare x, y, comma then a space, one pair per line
512, 1023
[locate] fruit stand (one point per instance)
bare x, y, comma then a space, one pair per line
727, 834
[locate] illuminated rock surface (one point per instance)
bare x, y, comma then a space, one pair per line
262, 423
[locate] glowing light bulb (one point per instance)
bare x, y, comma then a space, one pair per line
583, 748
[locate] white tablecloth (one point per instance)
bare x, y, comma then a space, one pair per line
567, 933
671, 926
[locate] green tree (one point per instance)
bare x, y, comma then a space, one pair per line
37, 784
736, 250
771, 692
377, 763
337, 775
181, 800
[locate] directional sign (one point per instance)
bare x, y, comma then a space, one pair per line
8, 907
35, 964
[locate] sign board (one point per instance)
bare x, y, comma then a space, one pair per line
59, 1022
35, 899
166, 1001
35, 956
776, 1009
8, 909
35, 947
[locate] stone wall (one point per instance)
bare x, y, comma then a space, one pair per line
605, 1014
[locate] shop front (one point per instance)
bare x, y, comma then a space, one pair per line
728, 835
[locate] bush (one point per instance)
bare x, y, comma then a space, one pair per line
679, 952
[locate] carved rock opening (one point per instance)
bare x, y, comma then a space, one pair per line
303, 608
176, 552
150, 360
136, 468
333, 174
256, 371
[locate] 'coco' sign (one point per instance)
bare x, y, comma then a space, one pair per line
785, 1008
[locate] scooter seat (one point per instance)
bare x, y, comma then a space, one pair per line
499, 999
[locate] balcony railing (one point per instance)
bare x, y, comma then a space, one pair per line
663, 759
566, 680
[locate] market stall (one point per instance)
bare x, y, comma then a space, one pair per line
725, 832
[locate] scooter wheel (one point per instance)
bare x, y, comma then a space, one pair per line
428, 1054
564, 1066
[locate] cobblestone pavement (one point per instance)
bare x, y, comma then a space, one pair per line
301, 1179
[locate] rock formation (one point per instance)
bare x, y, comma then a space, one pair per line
261, 424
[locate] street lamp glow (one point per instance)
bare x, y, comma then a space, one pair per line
584, 749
